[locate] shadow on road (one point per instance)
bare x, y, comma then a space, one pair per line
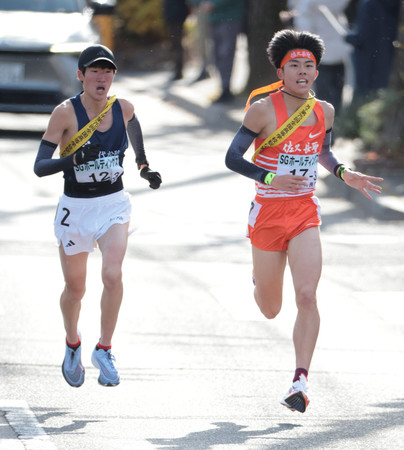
224, 433
43, 414
229, 433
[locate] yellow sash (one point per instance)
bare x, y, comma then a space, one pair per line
288, 127
83, 135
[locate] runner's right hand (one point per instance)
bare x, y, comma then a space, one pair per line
88, 153
290, 183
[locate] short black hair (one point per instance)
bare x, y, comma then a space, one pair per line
285, 40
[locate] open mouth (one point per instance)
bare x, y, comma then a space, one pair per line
100, 89
301, 82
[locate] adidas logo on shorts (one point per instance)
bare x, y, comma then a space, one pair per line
70, 244
117, 218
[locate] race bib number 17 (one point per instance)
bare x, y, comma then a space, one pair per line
302, 165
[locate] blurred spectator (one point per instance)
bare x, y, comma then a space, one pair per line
103, 17
225, 19
308, 17
175, 13
350, 12
203, 37
374, 31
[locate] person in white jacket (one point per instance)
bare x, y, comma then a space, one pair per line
335, 63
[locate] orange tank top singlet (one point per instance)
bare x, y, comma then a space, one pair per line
297, 155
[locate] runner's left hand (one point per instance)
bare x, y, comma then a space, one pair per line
362, 183
154, 178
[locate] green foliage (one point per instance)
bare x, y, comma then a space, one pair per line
141, 18
347, 123
371, 120
372, 117
367, 120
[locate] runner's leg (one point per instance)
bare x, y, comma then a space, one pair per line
74, 269
304, 254
269, 268
113, 248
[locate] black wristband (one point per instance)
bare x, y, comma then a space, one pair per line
336, 169
339, 170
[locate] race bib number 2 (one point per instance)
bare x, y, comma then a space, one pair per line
102, 169
302, 165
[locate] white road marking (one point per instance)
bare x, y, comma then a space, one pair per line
25, 425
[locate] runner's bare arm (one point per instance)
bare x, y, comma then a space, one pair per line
261, 118
59, 128
62, 124
127, 109
329, 114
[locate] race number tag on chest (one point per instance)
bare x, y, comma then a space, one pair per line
302, 165
102, 169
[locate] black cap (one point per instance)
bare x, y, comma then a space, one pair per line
96, 53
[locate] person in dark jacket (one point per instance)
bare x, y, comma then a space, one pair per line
175, 13
225, 19
372, 37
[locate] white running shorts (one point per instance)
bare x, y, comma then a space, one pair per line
80, 222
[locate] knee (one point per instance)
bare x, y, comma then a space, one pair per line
74, 292
306, 300
111, 277
269, 306
269, 312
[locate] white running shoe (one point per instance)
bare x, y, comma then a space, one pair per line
296, 398
105, 361
72, 368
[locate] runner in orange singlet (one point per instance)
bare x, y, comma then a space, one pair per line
285, 217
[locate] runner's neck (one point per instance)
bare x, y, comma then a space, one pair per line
93, 107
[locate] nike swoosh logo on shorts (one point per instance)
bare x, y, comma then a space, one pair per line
313, 135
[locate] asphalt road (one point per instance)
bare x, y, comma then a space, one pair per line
200, 368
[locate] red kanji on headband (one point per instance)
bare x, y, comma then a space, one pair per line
298, 53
